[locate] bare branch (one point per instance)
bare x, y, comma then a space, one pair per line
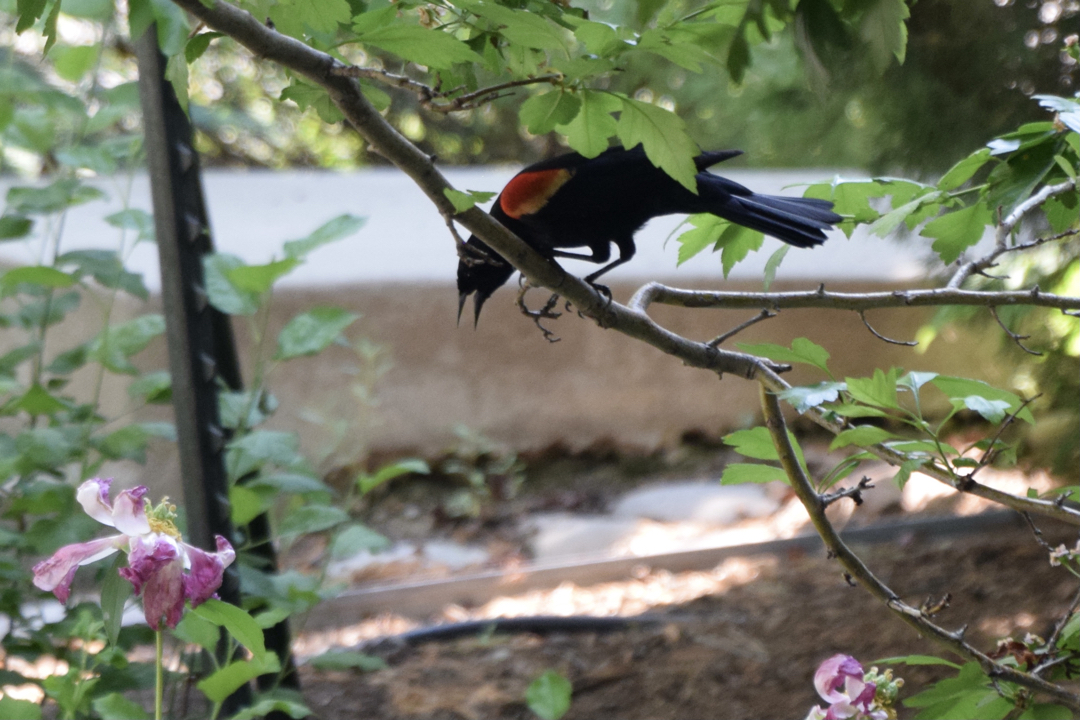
854, 566
1005, 229
879, 336
821, 298
854, 492
763, 315
1013, 336
430, 96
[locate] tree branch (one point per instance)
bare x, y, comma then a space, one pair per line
657, 293
815, 507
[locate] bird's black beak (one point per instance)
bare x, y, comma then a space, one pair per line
478, 302
462, 297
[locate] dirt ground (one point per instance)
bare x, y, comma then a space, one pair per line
746, 647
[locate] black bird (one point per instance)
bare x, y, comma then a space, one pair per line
574, 202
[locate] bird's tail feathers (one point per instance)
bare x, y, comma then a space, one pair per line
801, 222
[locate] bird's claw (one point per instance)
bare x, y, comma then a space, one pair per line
547, 312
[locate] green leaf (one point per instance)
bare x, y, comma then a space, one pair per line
434, 48
542, 113
224, 682
850, 198
802, 351
246, 504
319, 16
115, 591
706, 232
114, 345
40, 275
274, 706
357, 538
735, 243
107, 268
883, 28
176, 72
862, 436
853, 410
960, 388
14, 227
773, 264
153, 387
29, 11
258, 279
312, 519
238, 623
347, 660
194, 630
590, 129
887, 223
115, 706
366, 483
134, 219
467, 200
804, 398
518, 26
549, 695
751, 473
663, 135
223, 294
753, 443
915, 660
262, 447
197, 45
992, 410
958, 230
962, 171
331, 231
72, 62
312, 332
12, 709
38, 401
879, 390
915, 380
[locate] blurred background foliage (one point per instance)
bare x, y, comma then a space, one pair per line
971, 66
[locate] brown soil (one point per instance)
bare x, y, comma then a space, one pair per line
748, 650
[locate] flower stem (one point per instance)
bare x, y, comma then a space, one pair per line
159, 684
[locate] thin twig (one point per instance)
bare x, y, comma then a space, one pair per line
763, 315
879, 336
430, 96
988, 453
1005, 229
855, 493
854, 566
1016, 338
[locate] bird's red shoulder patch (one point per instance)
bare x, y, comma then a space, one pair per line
530, 191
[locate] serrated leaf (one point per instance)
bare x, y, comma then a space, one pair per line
589, 131
423, 46
804, 398
312, 332
751, 473
887, 223
753, 443
521, 28
883, 28
802, 351
962, 171
878, 390
542, 113
915, 380
549, 695
959, 388
706, 232
467, 200
854, 410
663, 135
773, 264
862, 436
992, 410
735, 243
71, 62
958, 230
319, 16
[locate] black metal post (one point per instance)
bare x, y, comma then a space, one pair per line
202, 352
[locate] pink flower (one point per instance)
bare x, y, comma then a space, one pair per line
840, 681
165, 570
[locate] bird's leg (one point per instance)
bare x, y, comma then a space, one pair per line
626, 251
546, 312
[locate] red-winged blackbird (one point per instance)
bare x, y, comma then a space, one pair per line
571, 202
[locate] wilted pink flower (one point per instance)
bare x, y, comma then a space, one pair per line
840, 681
162, 568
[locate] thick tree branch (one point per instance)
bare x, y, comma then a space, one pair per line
324, 70
1004, 231
855, 567
656, 293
